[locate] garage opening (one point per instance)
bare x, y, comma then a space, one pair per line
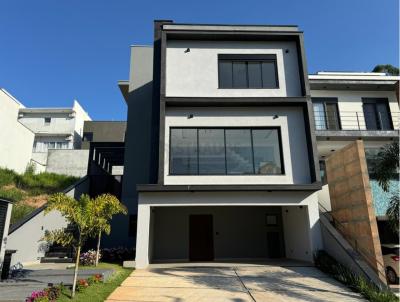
203, 233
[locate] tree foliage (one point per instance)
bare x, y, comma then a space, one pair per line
387, 68
386, 168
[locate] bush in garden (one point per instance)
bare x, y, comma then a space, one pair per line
53, 292
89, 258
81, 284
38, 296
117, 254
98, 278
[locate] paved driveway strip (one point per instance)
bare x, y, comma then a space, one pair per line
235, 283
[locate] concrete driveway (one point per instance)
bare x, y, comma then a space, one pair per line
231, 282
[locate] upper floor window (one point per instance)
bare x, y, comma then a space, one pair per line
247, 71
47, 121
230, 151
326, 114
377, 114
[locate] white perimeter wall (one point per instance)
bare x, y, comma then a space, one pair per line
28, 238
350, 102
195, 73
294, 143
301, 225
16, 140
68, 162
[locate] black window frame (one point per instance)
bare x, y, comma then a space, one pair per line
47, 120
325, 101
376, 101
281, 158
270, 58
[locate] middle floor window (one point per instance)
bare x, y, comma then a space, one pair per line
225, 151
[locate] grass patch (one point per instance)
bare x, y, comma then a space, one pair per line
98, 292
357, 283
19, 211
22, 188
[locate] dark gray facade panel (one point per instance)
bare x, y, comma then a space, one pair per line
104, 131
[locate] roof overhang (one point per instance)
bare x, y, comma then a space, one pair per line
124, 88
46, 110
353, 81
227, 188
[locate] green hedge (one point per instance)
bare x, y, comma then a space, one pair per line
359, 284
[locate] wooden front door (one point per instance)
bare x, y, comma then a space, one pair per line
201, 239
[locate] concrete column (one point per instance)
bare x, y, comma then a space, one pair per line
143, 236
314, 223
3, 241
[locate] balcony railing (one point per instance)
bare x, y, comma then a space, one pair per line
356, 121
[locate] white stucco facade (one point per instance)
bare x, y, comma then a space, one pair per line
195, 73
16, 140
290, 120
163, 234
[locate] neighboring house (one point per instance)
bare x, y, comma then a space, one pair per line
16, 139
349, 106
221, 159
55, 129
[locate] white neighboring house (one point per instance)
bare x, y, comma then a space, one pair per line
54, 128
16, 140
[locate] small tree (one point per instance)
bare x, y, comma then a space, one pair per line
386, 168
387, 68
104, 207
77, 213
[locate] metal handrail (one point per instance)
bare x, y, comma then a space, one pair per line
355, 120
336, 222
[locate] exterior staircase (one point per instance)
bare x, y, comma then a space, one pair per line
58, 254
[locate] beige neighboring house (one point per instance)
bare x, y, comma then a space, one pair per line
16, 139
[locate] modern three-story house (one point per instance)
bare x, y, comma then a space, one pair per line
221, 157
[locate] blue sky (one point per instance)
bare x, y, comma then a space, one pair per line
54, 51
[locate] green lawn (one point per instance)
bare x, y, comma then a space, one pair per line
99, 292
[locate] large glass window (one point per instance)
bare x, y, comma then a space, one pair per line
211, 151
266, 154
239, 155
184, 151
231, 151
247, 71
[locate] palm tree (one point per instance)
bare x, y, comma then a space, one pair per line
78, 214
104, 207
386, 168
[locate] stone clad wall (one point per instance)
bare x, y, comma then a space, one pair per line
351, 201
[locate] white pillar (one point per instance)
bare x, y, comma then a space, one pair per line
143, 236
315, 228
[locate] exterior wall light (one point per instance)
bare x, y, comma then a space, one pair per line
190, 116
275, 116
187, 50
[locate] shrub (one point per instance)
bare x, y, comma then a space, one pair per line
369, 290
38, 296
53, 292
81, 284
98, 278
13, 194
117, 254
19, 211
7, 177
89, 258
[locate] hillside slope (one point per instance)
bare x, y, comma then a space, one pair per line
29, 190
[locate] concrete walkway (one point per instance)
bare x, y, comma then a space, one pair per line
231, 282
